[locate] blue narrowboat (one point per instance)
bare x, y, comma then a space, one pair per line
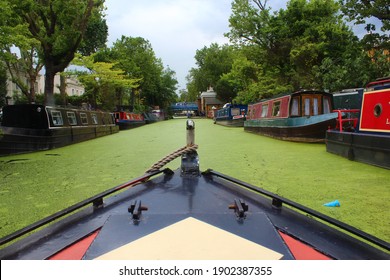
231, 115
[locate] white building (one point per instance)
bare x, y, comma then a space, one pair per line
209, 102
73, 87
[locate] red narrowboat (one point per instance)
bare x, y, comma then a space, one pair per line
127, 120
366, 137
302, 116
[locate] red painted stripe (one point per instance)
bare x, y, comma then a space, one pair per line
77, 250
302, 251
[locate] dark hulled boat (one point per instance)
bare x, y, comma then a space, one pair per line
348, 99
365, 137
302, 116
32, 127
231, 115
127, 120
190, 215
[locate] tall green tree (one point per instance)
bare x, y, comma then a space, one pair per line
295, 45
361, 10
59, 27
168, 87
377, 40
212, 62
137, 59
3, 86
96, 33
105, 84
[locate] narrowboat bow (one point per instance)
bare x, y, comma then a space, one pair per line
190, 215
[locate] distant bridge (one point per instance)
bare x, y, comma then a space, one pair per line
185, 106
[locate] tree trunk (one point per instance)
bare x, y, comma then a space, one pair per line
49, 85
31, 96
63, 89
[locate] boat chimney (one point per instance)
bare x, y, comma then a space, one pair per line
190, 159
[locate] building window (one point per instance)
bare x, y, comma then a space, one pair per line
57, 118
71, 118
83, 117
94, 119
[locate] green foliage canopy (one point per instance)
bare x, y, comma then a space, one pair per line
58, 26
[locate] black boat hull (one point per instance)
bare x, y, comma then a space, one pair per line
368, 148
21, 140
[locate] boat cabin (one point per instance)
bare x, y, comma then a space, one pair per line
33, 127
230, 111
33, 116
128, 116
348, 98
297, 104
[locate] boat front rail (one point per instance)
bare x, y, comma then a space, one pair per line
96, 201
341, 119
278, 201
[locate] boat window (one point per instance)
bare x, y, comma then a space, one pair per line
235, 111
71, 118
276, 109
83, 117
94, 119
57, 117
295, 107
315, 106
307, 106
326, 105
264, 110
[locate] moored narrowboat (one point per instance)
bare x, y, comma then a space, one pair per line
365, 137
231, 115
348, 98
127, 120
33, 127
187, 214
302, 116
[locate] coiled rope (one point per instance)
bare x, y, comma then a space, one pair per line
172, 156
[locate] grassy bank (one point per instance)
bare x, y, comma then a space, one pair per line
35, 185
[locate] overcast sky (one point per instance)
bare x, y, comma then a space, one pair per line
175, 28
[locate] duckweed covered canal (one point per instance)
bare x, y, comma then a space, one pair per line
38, 184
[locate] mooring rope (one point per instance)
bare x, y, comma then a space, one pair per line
172, 156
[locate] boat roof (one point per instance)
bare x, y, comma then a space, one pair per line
303, 91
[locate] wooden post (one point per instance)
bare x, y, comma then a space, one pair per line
190, 133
